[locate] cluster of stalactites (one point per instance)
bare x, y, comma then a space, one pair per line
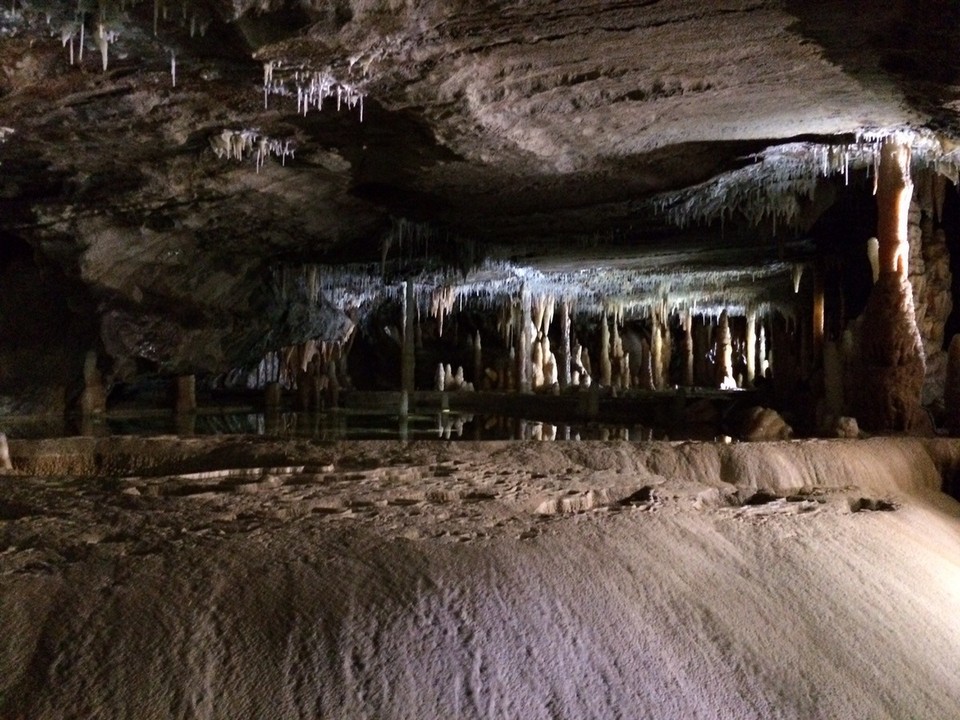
310, 87
773, 188
237, 144
103, 37
633, 292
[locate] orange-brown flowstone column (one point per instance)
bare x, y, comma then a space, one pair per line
893, 363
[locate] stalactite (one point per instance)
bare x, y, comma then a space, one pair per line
873, 255
939, 195
103, 38
408, 352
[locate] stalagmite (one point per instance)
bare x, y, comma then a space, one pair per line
564, 359
646, 371
951, 394
725, 354
873, 255
606, 370
439, 378
536, 365
525, 353
626, 381
186, 401
751, 347
549, 364
408, 351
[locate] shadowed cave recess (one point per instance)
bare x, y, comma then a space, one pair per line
309, 223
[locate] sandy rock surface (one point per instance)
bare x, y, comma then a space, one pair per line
527, 580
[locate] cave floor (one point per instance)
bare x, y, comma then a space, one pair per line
243, 576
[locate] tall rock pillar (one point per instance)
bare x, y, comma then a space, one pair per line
893, 366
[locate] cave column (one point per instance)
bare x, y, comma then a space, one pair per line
688, 349
894, 192
606, 369
5, 463
408, 351
817, 320
751, 341
186, 401
525, 358
477, 361
725, 354
656, 349
564, 343
93, 401
893, 363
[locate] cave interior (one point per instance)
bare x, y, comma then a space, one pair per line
316, 204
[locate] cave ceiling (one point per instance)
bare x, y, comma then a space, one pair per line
556, 134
